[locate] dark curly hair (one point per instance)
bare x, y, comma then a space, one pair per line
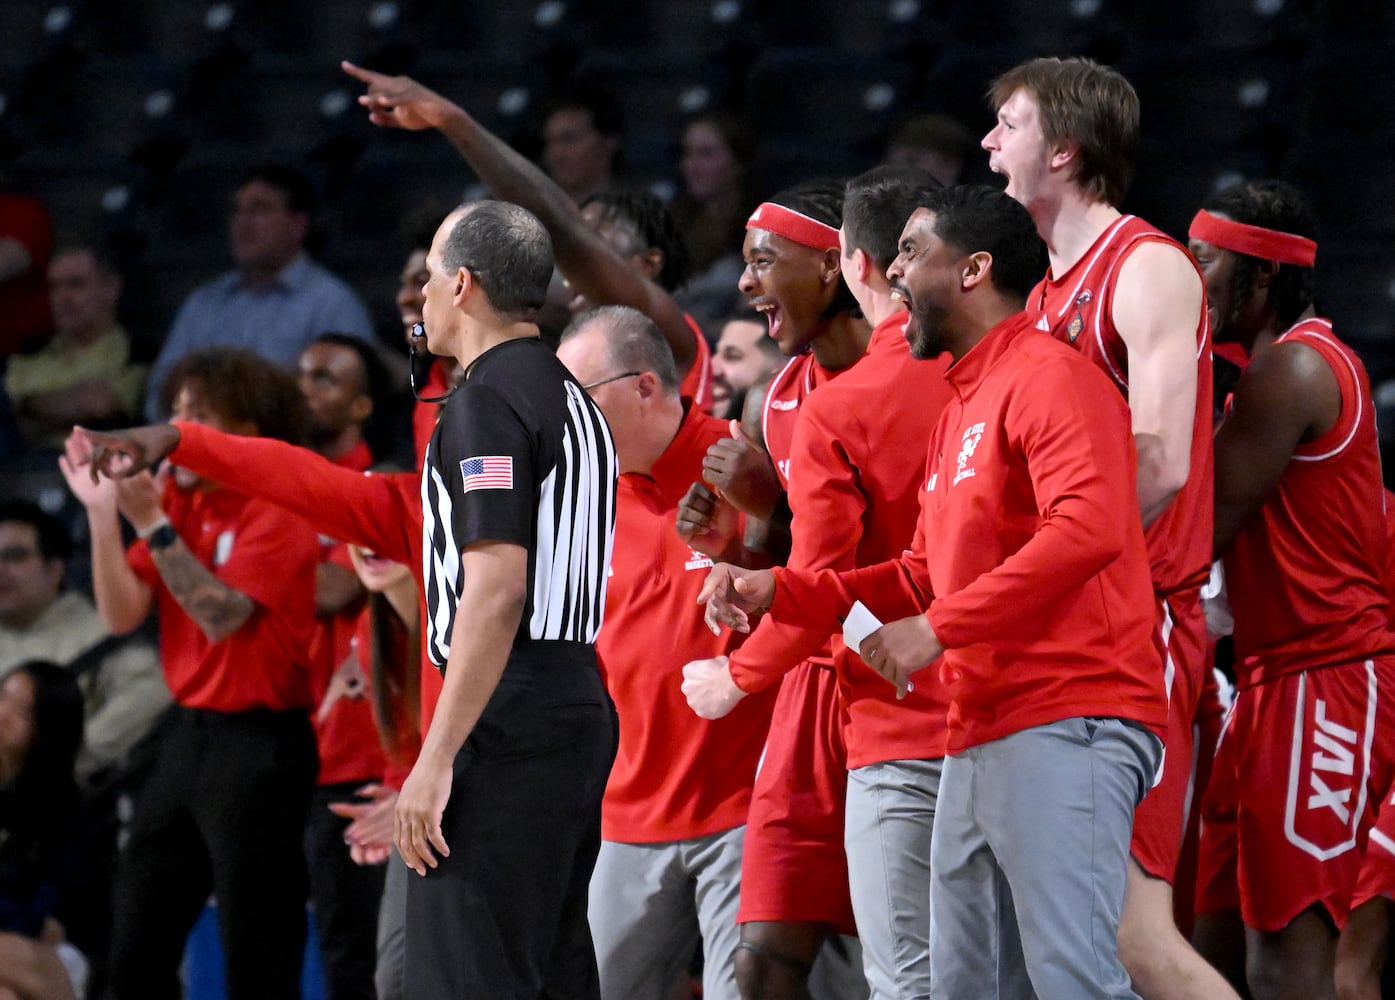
241, 386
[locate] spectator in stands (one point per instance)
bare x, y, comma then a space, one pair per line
224, 806
40, 731
581, 141
936, 144
26, 240
84, 375
277, 299
745, 355
717, 166
124, 693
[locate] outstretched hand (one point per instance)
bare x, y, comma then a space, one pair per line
734, 595
399, 101
122, 454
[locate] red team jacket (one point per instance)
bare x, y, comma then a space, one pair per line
858, 461
345, 733
1306, 574
1030, 540
676, 776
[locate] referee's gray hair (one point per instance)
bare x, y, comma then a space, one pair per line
507, 250
633, 340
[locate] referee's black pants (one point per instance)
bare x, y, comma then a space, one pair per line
504, 917
223, 811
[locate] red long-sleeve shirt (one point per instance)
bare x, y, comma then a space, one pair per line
1030, 537
379, 511
676, 776
857, 463
346, 734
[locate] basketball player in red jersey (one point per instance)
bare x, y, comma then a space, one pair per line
794, 879
1129, 298
1300, 525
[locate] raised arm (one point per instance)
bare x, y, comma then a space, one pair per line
379, 512
583, 256
1157, 306
123, 599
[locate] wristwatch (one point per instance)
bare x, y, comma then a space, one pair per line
160, 536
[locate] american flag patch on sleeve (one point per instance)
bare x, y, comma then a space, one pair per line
487, 472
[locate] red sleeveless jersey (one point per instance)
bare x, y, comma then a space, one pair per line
1077, 307
1306, 573
800, 376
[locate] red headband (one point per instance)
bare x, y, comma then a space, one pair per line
1254, 241
793, 226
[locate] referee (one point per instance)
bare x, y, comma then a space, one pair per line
501, 814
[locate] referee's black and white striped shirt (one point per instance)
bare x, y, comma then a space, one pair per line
521, 454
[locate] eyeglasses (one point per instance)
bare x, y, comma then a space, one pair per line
13, 555
614, 378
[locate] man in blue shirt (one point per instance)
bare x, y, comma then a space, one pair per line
278, 299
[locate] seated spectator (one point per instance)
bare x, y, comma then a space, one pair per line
277, 299
84, 375
717, 197
123, 690
40, 731
936, 144
581, 141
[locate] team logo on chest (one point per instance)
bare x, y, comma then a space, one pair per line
697, 560
1077, 323
972, 436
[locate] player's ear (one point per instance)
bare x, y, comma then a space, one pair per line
977, 269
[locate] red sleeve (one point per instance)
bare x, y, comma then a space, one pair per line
828, 508
376, 511
894, 589
1073, 431
697, 380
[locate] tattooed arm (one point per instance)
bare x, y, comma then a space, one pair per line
217, 609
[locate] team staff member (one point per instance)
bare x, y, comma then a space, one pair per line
224, 807
1128, 297
674, 814
381, 514
856, 500
518, 497
341, 379
794, 874
1022, 544
644, 277
1300, 527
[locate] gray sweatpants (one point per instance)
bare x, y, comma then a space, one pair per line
649, 906
890, 817
1029, 861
